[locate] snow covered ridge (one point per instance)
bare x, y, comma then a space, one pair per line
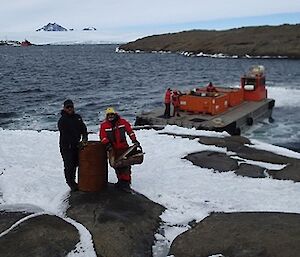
201, 54
66, 37
52, 27
56, 27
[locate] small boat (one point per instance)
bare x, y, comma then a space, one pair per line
26, 43
218, 108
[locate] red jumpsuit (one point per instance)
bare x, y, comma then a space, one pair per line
211, 88
114, 133
167, 103
176, 103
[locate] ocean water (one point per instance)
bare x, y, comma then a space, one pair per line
34, 82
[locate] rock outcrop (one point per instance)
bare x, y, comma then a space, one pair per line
241, 235
207, 159
239, 145
121, 224
44, 235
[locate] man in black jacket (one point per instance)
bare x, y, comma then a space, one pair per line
72, 129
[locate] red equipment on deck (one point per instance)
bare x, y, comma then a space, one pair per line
209, 103
202, 100
253, 84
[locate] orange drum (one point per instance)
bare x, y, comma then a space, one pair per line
92, 167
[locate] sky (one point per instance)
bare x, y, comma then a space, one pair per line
146, 17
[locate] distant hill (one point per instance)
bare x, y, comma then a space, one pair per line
52, 27
273, 41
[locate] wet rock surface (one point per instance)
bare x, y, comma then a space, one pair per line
44, 235
240, 147
217, 161
241, 235
121, 224
249, 170
7, 219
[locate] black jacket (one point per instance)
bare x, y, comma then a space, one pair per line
71, 128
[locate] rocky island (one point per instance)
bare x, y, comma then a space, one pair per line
259, 41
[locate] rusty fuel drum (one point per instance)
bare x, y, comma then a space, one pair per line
92, 167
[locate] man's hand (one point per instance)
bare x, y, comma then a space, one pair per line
82, 144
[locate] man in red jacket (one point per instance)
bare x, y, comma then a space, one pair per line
167, 103
176, 103
211, 88
113, 134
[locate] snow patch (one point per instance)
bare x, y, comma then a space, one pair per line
85, 247
266, 165
192, 131
274, 149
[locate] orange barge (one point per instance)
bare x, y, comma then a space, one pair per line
218, 108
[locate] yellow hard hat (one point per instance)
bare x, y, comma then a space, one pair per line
110, 110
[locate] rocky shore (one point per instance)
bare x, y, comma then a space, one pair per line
261, 41
255, 234
122, 224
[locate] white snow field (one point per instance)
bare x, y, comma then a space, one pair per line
31, 173
70, 37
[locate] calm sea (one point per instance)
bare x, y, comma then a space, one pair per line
34, 82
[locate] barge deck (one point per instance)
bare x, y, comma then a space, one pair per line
235, 120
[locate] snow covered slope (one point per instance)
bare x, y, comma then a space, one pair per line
31, 172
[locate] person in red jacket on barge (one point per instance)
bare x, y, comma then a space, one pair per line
168, 103
176, 103
113, 134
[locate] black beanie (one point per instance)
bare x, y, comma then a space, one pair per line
68, 102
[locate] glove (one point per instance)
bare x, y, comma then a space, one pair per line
82, 144
137, 143
108, 147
